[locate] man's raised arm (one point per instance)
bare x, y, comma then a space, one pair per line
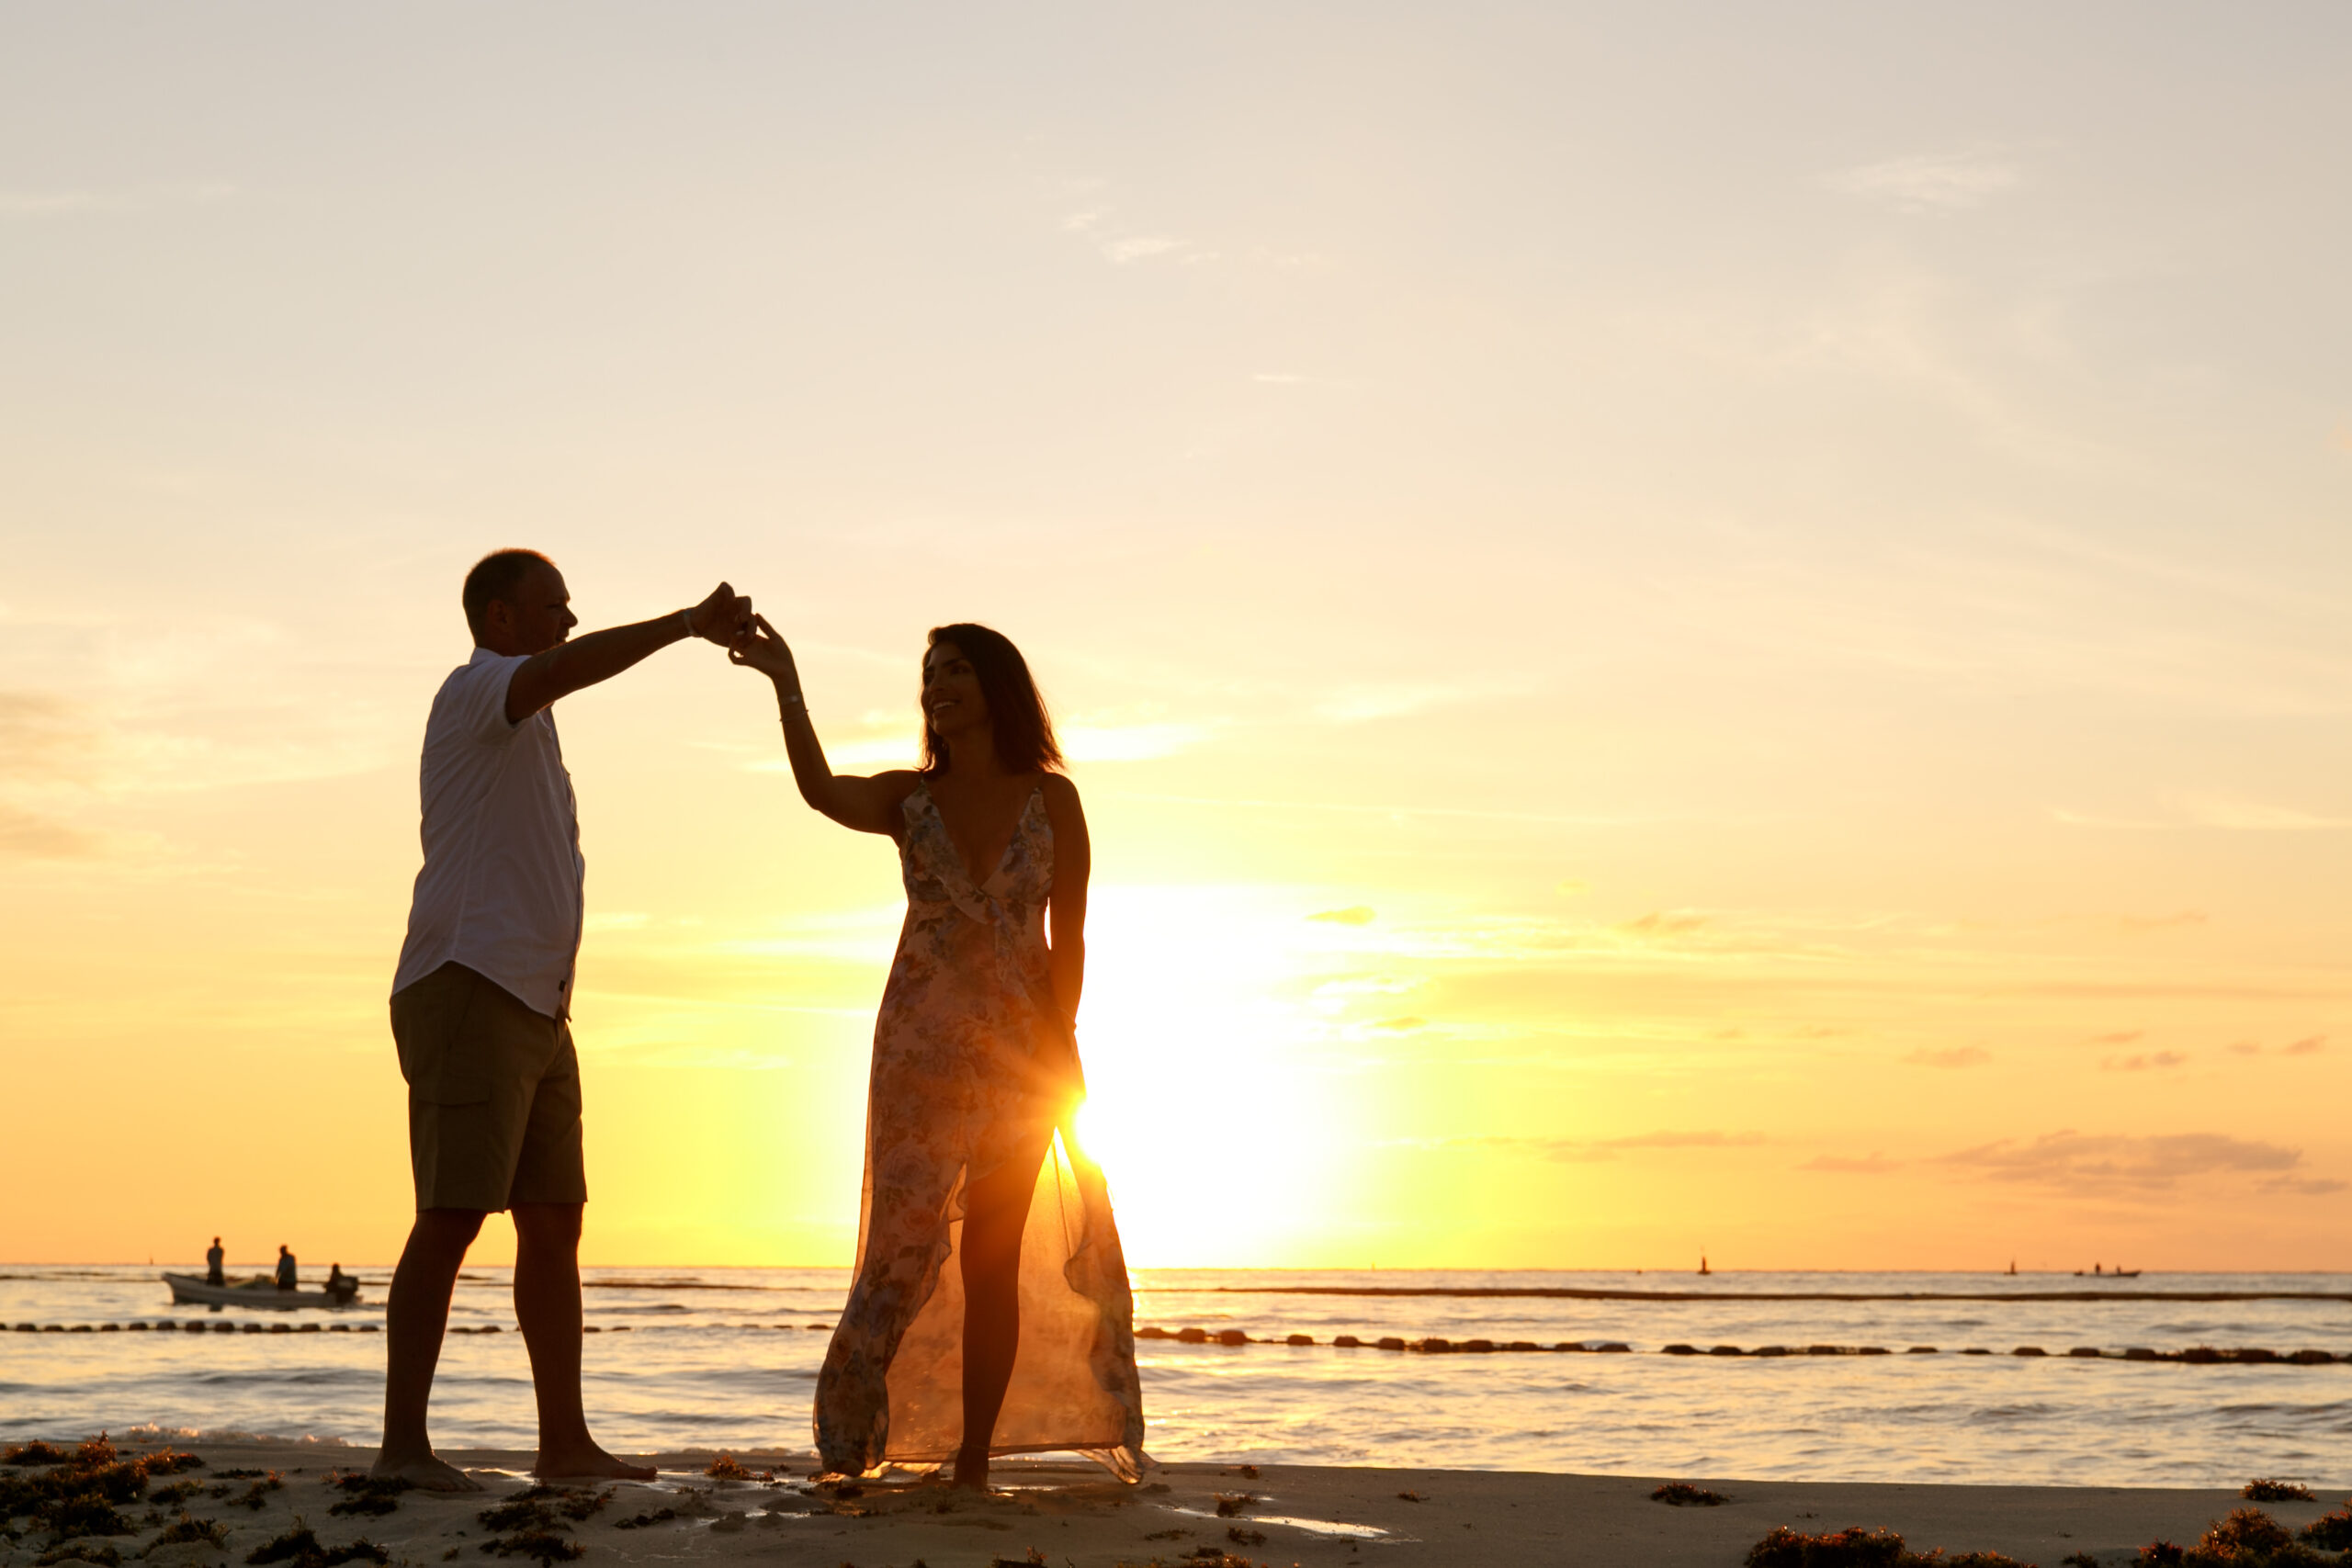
599, 656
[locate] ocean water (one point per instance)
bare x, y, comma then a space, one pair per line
716, 1358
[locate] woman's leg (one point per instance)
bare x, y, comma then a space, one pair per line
995, 1211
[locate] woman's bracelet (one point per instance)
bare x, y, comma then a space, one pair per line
787, 701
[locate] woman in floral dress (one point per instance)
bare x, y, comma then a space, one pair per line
991, 1312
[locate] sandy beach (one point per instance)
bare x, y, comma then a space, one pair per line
1067, 1512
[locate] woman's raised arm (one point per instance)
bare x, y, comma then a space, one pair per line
868, 805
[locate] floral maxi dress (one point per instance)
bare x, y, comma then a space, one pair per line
971, 1063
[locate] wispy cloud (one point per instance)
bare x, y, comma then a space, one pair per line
1140, 247
1359, 705
1354, 915
2160, 922
1129, 742
1957, 1057
899, 750
2144, 1165
1927, 182
2153, 1061
1586, 1151
2254, 817
1123, 246
29, 835
1661, 926
2303, 1186
1871, 1164
43, 739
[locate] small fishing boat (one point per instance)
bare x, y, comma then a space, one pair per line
260, 1291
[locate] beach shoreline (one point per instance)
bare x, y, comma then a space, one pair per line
1069, 1512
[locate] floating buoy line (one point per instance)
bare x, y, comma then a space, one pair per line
1234, 1338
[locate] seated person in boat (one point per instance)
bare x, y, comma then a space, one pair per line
212, 1259
340, 1283
286, 1277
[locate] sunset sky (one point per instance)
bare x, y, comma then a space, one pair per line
1682, 626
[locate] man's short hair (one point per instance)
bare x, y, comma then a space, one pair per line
496, 576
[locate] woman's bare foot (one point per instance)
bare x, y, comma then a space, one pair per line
971, 1470
588, 1464
423, 1471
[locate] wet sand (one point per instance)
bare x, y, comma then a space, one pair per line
1071, 1515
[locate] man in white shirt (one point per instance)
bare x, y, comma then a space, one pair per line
482, 1001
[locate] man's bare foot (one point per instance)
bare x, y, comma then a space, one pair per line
423, 1471
588, 1464
971, 1470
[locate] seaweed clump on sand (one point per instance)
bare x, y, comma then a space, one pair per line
1682, 1494
2260, 1490
187, 1529
545, 1545
727, 1467
570, 1502
533, 1529
300, 1547
1855, 1547
34, 1454
367, 1496
256, 1495
2331, 1532
101, 1555
78, 1492
657, 1517
2247, 1539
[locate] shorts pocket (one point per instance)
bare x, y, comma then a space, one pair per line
437, 1025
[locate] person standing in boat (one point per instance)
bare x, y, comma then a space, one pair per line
482, 1000
214, 1273
288, 1279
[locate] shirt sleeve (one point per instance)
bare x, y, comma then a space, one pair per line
482, 701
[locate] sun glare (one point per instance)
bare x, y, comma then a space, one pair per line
1199, 1038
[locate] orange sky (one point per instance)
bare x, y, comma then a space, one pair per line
1689, 631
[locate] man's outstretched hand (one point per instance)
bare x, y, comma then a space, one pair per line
723, 617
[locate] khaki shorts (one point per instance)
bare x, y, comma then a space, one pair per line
493, 1095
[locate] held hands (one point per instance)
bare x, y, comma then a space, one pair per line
723, 617
759, 647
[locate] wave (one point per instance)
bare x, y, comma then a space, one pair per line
153, 1432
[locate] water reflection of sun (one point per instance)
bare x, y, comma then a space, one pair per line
1220, 1138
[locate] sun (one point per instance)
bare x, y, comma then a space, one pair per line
1199, 1076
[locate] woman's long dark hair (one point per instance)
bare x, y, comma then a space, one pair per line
1025, 732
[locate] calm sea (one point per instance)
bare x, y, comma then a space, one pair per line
728, 1357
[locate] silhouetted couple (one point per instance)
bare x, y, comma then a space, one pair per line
976, 1072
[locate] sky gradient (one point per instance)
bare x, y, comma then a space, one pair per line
1705, 629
